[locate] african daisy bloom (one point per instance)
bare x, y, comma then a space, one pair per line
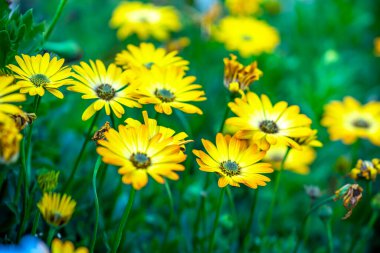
8, 95
109, 86
349, 120
238, 77
38, 73
154, 128
145, 20
10, 138
58, 246
243, 7
247, 35
169, 88
267, 124
297, 161
365, 169
147, 55
56, 209
310, 140
138, 155
235, 161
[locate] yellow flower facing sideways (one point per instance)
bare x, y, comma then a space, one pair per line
56, 209
267, 124
10, 138
145, 20
349, 120
58, 246
109, 86
238, 77
138, 154
243, 7
8, 96
298, 161
234, 161
147, 55
366, 169
168, 88
38, 73
247, 35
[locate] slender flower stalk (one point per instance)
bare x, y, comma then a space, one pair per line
97, 166
276, 187
247, 229
51, 233
57, 15
169, 226
67, 186
36, 221
329, 236
123, 221
216, 221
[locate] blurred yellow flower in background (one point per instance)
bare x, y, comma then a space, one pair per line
376, 46
247, 35
267, 124
59, 246
145, 20
238, 77
8, 95
10, 138
349, 120
56, 209
146, 55
234, 161
38, 73
243, 7
138, 155
169, 88
109, 86
298, 161
365, 169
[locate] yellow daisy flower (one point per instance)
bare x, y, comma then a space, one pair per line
39, 73
365, 169
147, 55
168, 88
349, 120
243, 7
145, 20
138, 154
310, 140
56, 209
10, 138
235, 161
110, 87
247, 35
267, 124
58, 246
238, 77
298, 161
7, 96
154, 129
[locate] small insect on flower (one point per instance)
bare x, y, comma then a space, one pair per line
23, 119
59, 246
99, 135
56, 209
38, 73
267, 124
8, 96
349, 120
235, 162
365, 170
351, 195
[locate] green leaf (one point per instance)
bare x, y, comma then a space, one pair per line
5, 45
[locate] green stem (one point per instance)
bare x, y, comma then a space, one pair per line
303, 225
36, 222
96, 168
67, 186
358, 238
26, 192
232, 203
244, 239
171, 203
112, 118
329, 235
50, 237
57, 14
124, 219
216, 221
225, 116
276, 187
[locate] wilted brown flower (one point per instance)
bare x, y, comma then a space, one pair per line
351, 195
